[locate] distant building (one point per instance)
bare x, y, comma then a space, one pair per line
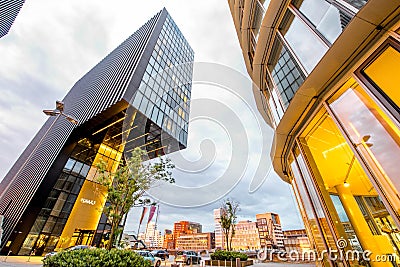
246, 236
168, 240
152, 237
219, 236
296, 240
185, 227
270, 230
196, 242
9, 10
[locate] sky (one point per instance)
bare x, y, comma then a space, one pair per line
52, 44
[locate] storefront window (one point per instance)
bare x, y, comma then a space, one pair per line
307, 209
373, 134
344, 186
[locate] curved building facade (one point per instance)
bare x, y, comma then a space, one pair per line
329, 75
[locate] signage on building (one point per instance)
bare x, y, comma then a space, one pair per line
88, 201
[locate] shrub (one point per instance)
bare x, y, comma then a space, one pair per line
96, 258
228, 255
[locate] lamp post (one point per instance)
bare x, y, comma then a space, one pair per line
58, 112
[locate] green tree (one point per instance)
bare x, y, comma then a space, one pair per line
125, 188
229, 210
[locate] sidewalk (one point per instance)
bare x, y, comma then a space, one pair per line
20, 261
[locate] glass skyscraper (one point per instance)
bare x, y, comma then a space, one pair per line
328, 71
137, 96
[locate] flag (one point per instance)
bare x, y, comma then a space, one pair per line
151, 214
143, 213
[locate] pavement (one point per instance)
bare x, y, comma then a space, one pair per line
25, 261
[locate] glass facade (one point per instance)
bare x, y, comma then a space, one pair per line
344, 166
72, 212
164, 93
304, 35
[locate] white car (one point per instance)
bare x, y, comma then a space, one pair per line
155, 261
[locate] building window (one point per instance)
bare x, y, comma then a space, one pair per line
373, 134
324, 17
340, 180
305, 44
381, 72
285, 72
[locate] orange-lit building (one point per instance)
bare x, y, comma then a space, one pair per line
196, 242
270, 230
296, 240
246, 236
168, 240
185, 227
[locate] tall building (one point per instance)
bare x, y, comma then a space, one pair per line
329, 74
270, 230
219, 235
152, 237
168, 240
246, 236
9, 10
185, 227
49, 198
197, 242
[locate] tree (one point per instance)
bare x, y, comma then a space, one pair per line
229, 210
125, 188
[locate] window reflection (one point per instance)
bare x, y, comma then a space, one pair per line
370, 122
344, 185
326, 18
305, 44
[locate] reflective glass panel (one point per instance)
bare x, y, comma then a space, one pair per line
308, 48
373, 133
341, 182
384, 71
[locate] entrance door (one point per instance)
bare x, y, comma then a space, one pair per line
83, 237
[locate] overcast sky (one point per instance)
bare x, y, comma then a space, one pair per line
54, 43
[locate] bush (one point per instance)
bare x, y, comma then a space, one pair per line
96, 258
228, 255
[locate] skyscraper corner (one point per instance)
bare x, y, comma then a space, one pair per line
137, 96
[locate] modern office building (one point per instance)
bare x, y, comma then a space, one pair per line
296, 243
246, 236
329, 74
185, 227
219, 235
270, 230
168, 243
9, 10
49, 198
197, 242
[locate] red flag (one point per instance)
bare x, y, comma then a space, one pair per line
151, 214
143, 213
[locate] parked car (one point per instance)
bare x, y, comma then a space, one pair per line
187, 257
68, 249
164, 255
155, 261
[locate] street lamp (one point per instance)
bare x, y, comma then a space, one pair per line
58, 112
